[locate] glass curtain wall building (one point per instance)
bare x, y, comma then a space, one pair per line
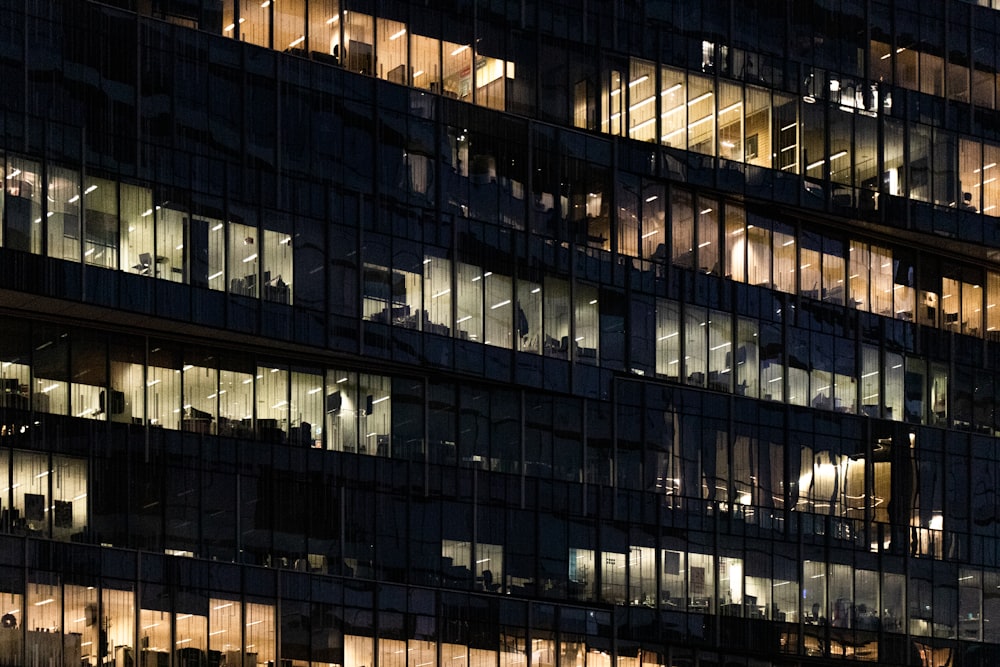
499, 333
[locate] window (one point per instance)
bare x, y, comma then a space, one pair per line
668, 342
529, 316
138, 250
557, 312
324, 29
244, 259
63, 217
100, 246
201, 391
277, 267
21, 199
171, 246
587, 324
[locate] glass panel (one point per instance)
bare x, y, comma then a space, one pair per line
375, 415
673, 98
581, 574
118, 609
992, 299
224, 628
736, 243
138, 252
991, 606
63, 219
358, 40
260, 639
682, 228
84, 638
255, 22
747, 358
127, 395
614, 102
290, 26
858, 275
243, 259
235, 400
163, 387
720, 351
991, 185
426, 63
951, 292
759, 252
904, 289
306, 409
786, 588
324, 29
642, 576
809, 265
695, 345
758, 144
668, 342
171, 250
342, 411
894, 385
100, 246
784, 258
469, 281
30, 493
190, 628
613, 581
833, 271
653, 222
772, 366
88, 368
642, 100
920, 163
945, 168
673, 594
200, 394
557, 313
708, 236
457, 70
870, 394
277, 266
208, 250
437, 299
701, 584
786, 129
880, 275
391, 51
272, 403
529, 327
814, 607
841, 153
731, 588
701, 115
51, 371
731, 137
587, 339
499, 311
939, 394
21, 200
491, 81
972, 309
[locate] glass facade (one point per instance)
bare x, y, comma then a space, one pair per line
636, 334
